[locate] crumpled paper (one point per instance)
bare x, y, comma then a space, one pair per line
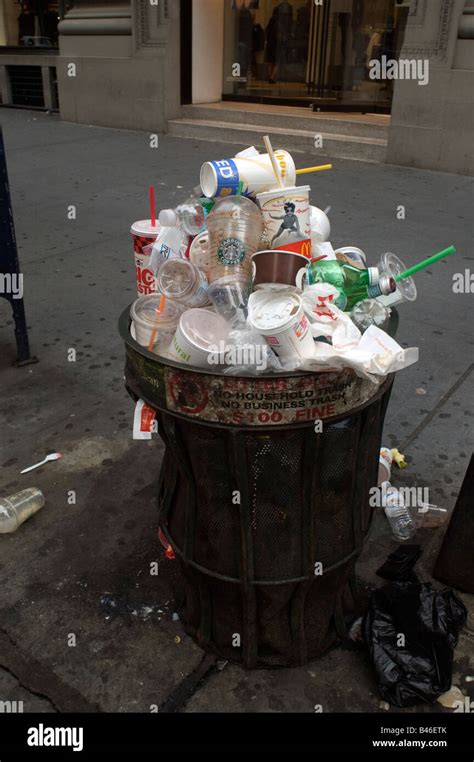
375, 355
327, 320
370, 355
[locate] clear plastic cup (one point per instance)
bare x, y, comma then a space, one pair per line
199, 253
235, 228
406, 288
180, 280
145, 319
230, 296
17, 508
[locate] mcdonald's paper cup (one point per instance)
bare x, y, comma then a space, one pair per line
222, 178
279, 316
286, 219
199, 331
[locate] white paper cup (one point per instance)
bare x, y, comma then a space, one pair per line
222, 178
286, 219
281, 319
198, 332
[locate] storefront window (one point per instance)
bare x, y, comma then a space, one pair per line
31, 24
295, 50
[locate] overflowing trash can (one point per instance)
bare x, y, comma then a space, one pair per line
267, 357
263, 497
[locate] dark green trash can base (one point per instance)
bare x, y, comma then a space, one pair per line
266, 513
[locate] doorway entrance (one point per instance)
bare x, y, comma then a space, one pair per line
301, 52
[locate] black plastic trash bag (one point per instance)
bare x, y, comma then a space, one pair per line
399, 565
416, 667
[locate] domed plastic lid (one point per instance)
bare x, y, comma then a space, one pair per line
204, 327
146, 307
176, 277
392, 265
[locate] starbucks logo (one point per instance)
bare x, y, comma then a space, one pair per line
231, 251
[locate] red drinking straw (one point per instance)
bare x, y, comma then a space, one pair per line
152, 206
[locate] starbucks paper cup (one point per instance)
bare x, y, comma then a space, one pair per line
286, 219
279, 316
198, 334
222, 178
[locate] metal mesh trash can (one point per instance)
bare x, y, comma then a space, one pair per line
266, 513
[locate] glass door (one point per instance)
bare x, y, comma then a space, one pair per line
300, 53
354, 33
266, 49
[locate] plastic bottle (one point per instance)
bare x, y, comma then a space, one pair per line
14, 510
190, 216
397, 512
354, 282
385, 285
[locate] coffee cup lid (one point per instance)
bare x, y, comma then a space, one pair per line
276, 310
204, 327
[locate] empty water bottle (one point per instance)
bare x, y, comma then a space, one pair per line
189, 216
14, 510
397, 512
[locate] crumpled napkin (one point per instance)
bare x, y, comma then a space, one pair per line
371, 355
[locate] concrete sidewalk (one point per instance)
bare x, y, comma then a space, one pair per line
83, 569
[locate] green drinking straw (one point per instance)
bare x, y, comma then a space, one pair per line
240, 188
425, 263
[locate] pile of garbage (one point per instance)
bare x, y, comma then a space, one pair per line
242, 278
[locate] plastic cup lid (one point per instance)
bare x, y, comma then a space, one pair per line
288, 190
204, 327
276, 310
176, 277
144, 227
394, 266
145, 308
